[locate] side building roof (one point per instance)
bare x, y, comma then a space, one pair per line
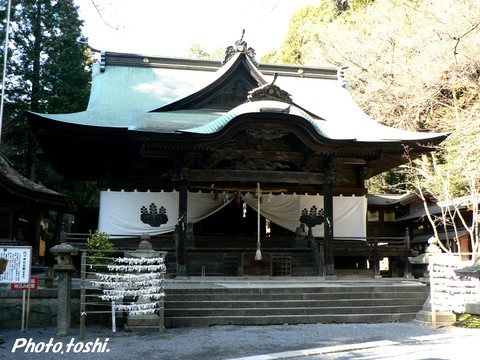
24, 191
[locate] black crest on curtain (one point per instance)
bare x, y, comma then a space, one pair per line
153, 216
313, 217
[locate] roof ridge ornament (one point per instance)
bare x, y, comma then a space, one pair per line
341, 77
270, 92
240, 46
103, 62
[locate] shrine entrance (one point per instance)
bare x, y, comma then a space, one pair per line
174, 141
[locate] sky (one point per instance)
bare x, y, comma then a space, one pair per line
170, 28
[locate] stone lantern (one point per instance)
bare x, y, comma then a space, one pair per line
64, 268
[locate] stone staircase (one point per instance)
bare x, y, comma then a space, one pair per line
290, 303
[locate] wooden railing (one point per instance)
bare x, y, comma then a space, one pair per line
384, 245
122, 242
374, 248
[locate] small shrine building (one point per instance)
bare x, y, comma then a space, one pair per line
24, 211
191, 149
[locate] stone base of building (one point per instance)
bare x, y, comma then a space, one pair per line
425, 316
473, 308
145, 323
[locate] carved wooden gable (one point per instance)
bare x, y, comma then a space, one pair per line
262, 149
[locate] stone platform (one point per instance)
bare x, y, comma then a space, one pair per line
204, 301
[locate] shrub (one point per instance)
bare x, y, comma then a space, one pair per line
468, 321
98, 260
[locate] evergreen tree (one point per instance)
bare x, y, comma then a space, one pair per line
302, 34
48, 72
198, 51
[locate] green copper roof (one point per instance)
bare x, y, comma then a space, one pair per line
140, 94
252, 108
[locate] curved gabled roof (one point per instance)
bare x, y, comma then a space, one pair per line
263, 106
178, 96
148, 112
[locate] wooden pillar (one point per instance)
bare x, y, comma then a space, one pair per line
375, 259
36, 219
181, 243
407, 273
328, 229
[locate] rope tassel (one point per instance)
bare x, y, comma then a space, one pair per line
258, 253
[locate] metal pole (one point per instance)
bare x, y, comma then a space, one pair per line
83, 307
28, 305
5, 54
114, 325
23, 310
161, 310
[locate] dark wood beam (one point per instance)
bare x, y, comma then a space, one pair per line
181, 243
284, 177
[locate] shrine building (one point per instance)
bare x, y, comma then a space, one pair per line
24, 209
235, 168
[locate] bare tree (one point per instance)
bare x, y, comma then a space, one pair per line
412, 64
433, 178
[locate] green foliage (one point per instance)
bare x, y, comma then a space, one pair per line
98, 260
302, 32
456, 170
50, 58
302, 35
269, 57
390, 182
198, 51
468, 321
100, 240
84, 193
48, 71
3, 265
452, 171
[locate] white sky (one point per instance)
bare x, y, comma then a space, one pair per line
170, 28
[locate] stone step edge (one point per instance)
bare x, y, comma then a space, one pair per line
288, 319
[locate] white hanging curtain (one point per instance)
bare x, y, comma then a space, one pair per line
349, 212
153, 213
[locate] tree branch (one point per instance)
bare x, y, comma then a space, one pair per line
457, 39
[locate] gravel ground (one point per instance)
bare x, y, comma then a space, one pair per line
216, 342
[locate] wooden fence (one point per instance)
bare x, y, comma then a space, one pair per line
119, 286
